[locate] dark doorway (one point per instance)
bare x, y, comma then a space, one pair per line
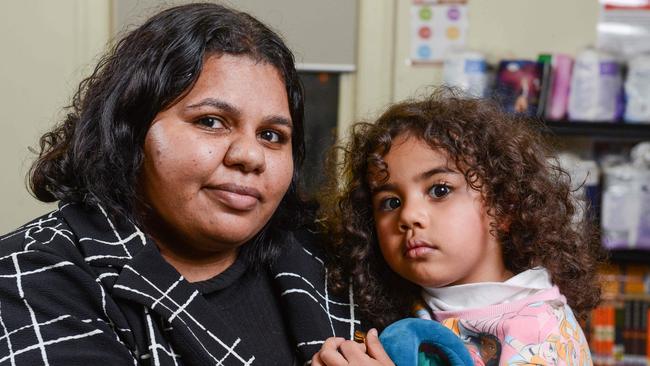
321, 112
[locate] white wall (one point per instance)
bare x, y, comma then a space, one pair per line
499, 28
46, 48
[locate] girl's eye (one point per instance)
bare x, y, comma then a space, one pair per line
271, 136
389, 204
211, 122
439, 190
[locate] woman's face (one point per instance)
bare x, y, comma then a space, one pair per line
219, 161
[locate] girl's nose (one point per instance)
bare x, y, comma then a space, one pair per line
413, 215
246, 154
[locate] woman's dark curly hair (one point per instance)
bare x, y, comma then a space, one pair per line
501, 155
94, 156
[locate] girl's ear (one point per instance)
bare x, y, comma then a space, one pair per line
504, 224
499, 222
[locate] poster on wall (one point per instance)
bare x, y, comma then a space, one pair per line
437, 27
624, 27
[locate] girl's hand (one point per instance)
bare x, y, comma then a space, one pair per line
341, 352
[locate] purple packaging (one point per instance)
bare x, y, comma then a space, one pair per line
643, 225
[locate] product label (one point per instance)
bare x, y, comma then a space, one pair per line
475, 66
609, 68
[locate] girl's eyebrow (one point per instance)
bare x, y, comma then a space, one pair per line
437, 170
383, 188
424, 175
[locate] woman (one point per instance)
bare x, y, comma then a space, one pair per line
178, 236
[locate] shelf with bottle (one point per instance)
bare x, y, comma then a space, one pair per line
618, 330
632, 256
599, 130
611, 181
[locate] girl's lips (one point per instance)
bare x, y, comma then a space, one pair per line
416, 248
417, 252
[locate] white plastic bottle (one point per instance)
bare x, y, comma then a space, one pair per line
637, 90
466, 70
596, 87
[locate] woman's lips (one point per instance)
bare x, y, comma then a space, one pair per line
236, 197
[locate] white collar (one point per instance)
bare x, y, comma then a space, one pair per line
476, 295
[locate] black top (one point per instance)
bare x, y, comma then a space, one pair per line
238, 293
78, 288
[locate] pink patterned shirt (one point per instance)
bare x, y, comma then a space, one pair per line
536, 330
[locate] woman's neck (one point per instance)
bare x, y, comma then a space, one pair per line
198, 266
194, 260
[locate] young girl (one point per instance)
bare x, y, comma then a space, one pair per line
451, 202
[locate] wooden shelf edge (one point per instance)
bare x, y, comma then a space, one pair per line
606, 130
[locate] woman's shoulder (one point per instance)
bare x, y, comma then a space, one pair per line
47, 232
45, 281
84, 234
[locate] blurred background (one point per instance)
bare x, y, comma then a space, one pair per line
580, 67
353, 53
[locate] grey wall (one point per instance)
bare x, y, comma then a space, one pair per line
321, 33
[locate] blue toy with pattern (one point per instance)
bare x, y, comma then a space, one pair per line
414, 341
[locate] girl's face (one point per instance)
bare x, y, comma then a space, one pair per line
218, 162
433, 228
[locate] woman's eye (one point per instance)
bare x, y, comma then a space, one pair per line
439, 190
271, 136
211, 122
389, 204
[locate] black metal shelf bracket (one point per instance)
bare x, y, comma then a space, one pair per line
600, 130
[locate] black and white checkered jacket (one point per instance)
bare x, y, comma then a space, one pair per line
75, 289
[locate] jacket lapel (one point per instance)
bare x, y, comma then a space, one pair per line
178, 319
131, 268
313, 313
196, 327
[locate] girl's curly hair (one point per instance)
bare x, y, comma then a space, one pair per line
501, 155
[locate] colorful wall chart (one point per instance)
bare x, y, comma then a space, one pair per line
437, 26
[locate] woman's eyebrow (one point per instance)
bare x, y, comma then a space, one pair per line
216, 103
236, 112
279, 120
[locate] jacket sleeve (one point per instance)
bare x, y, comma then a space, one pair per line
53, 312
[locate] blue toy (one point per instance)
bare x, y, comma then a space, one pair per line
414, 341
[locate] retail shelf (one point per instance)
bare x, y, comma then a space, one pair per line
600, 130
630, 256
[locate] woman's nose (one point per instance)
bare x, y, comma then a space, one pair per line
413, 215
246, 154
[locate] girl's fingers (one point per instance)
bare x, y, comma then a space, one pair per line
375, 349
315, 360
341, 352
329, 354
353, 351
